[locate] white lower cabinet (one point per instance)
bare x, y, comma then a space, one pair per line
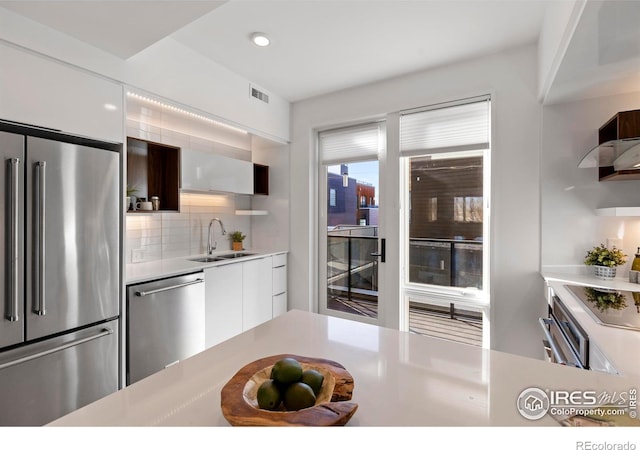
243, 295
256, 292
279, 291
223, 303
279, 304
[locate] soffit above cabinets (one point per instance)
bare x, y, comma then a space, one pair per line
603, 56
164, 120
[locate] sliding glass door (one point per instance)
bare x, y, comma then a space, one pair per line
404, 216
350, 238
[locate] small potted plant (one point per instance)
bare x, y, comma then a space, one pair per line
605, 260
236, 239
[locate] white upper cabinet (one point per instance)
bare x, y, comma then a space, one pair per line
205, 171
37, 91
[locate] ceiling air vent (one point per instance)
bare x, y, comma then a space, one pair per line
258, 94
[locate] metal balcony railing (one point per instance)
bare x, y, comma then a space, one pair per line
353, 273
445, 262
351, 270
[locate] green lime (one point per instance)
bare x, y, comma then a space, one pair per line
314, 379
286, 371
269, 396
298, 396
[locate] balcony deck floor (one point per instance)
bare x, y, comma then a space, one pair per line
421, 321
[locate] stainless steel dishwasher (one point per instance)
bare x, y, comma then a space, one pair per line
165, 323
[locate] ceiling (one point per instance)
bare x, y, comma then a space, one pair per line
317, 46
325, 46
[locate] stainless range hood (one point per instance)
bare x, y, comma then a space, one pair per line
617, 155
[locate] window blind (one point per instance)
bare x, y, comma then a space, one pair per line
457, 127
358, 143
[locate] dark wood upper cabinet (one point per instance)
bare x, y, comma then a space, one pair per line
624, 125
153, 169
615, 156
260, 179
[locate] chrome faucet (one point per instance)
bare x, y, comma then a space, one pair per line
210, 247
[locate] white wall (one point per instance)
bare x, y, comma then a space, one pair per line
517, 293
167, 69
570, 195
271, 232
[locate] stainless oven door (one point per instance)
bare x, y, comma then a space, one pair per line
572, 331
560, 349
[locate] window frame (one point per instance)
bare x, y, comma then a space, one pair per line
433, 292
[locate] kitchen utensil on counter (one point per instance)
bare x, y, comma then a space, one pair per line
155, 201
144, 206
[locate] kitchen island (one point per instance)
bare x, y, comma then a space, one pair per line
401, 379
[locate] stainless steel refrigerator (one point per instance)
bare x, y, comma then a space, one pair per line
60, 273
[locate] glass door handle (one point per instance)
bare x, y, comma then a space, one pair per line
382, 253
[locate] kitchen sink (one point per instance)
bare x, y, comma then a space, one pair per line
206, 259
234, 255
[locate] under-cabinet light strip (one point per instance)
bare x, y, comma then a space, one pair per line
184, 111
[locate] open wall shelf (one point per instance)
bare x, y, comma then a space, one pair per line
154, 169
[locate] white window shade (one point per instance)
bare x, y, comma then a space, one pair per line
448, 128
359, 143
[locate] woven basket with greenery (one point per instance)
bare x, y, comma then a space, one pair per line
603, 256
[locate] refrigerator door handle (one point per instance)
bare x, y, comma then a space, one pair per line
104, 332
39, 233
13, 200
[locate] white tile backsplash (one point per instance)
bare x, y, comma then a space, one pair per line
157, 236
168, 235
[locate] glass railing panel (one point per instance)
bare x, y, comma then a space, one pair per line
352, 274
445, 262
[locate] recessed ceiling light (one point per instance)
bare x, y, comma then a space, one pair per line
260, 39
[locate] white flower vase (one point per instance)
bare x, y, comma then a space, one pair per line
604, 272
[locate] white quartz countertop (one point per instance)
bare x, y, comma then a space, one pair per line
401, 379
618, 283
619, 346
152, 270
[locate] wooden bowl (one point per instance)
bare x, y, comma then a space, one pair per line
240, 407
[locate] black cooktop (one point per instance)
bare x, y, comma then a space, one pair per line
610, 306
